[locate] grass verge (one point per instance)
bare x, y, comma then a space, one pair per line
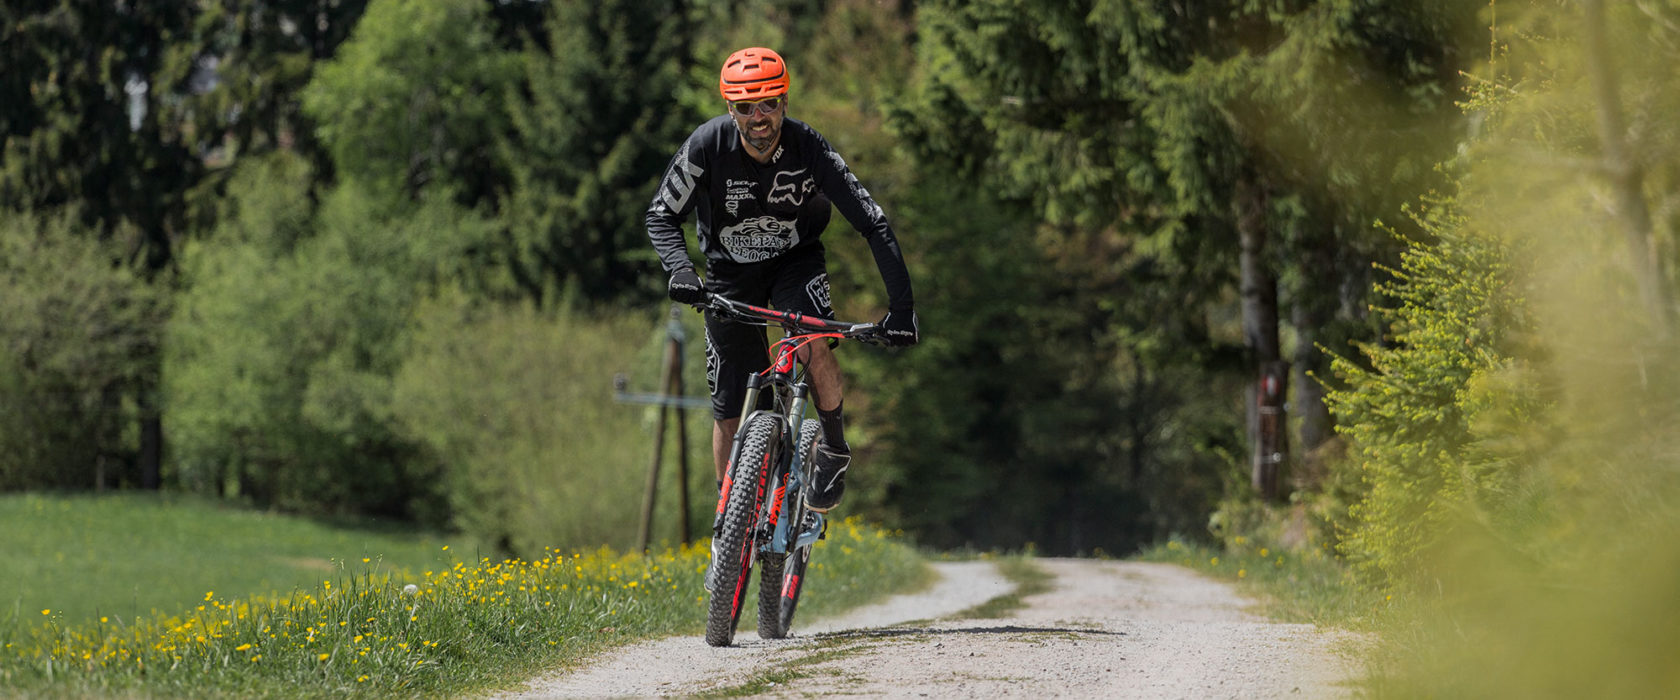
1308, 586
462, 628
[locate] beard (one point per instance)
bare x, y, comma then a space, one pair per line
762, 143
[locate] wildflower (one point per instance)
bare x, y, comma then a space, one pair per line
323, 657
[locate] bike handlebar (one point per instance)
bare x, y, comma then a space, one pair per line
867, 332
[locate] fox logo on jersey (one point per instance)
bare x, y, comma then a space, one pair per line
789, 189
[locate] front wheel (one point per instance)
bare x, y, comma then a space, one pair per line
736, 542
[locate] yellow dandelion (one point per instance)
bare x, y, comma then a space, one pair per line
323, 657
48, 611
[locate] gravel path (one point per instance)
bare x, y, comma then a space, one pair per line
1105, 629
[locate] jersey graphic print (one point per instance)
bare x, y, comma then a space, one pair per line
789, 189
858, 191
758, 239
712, 362
817, 290
735, 192
679, 185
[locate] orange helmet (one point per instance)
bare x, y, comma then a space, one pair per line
751, 74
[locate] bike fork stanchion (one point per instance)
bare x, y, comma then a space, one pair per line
794, 479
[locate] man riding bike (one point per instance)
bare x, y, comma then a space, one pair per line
760, 185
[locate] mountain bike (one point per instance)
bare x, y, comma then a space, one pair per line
762, 518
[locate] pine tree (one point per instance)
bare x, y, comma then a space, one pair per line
1218, 140
592, 130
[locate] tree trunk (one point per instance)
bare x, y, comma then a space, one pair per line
1315, 424
1258, 286
1622, 169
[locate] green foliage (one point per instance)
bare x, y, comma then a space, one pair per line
280, 361
75, 329
85, 124
414, 100
1427, 417
591, 133
263, 54
518, 407
1567, 594
1001, 428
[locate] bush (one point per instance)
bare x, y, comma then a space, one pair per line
517, 405
1436, 419
291, 326
76, 329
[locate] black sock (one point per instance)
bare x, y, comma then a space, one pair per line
833, 426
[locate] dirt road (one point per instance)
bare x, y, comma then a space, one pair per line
1105, 629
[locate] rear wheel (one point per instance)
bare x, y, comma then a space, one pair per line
736, 542
778, 591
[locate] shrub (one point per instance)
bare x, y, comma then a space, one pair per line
76, 329
291, 326
1437, 419
517, 406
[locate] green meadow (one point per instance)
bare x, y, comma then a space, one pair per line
162, 597
126, 555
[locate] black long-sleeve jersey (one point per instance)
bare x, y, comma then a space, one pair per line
750, 212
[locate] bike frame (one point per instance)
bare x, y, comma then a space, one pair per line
786, 376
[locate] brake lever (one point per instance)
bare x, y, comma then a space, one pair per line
871, 335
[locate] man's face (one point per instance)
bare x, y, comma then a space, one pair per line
760, 121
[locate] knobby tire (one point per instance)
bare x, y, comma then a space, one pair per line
736, 540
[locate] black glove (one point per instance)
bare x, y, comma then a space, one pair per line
898, 328
685, 287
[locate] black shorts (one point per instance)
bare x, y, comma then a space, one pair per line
797, 281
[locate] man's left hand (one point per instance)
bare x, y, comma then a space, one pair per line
899, 328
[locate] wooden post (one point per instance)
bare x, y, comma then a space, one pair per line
682, 433
670, 393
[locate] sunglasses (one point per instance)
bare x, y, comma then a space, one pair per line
765, 106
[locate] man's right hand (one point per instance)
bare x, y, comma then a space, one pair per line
685, 287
